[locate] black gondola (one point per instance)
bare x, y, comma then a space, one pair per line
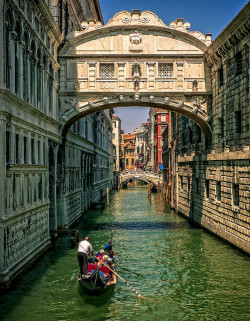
97, 281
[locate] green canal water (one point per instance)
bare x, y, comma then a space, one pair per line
184, 273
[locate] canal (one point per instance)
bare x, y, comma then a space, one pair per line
184, 273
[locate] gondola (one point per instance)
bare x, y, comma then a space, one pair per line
96, 281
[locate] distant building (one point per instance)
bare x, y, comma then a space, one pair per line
116, 140
159, 120
122, 161
129, 151
141, 146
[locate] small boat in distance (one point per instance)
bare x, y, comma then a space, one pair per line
99, 278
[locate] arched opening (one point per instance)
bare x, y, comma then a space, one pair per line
8, 27
25, 67
198, 115
32, 72
17, 73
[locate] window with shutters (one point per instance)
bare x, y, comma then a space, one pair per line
165, 70
107, 71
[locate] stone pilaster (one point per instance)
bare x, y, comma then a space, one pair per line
179, 75
2, 164
151, 75
92, 75
121, 75
28, 76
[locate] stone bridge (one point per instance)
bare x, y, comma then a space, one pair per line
156, 179
135, 60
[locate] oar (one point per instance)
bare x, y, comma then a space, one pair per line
134, 290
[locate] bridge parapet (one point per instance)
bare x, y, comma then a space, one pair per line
156, 179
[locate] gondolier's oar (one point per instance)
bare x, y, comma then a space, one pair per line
134, 290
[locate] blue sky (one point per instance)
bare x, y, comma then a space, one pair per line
205, 16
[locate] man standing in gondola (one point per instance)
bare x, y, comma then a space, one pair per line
84, 249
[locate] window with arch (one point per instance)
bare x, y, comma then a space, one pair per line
25, 70
39, 80
8, 25
32, 73
17, 81
50, 87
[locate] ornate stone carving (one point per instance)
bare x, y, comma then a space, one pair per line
172, 25
107, 85
135, 38
105, 99
145, 17
136, 75
137, 97
121, 98
186, 25
151, 98
198, 106
181, 104
166, 100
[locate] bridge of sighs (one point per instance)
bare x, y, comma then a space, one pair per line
135, 60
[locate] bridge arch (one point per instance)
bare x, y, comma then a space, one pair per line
193, 111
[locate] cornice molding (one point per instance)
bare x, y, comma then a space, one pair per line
235, 32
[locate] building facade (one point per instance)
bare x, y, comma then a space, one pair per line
116, 140
47, 183
141, 146
159, 120
213, 184
129, 151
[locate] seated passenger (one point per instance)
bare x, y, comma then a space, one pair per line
105, 258
112, 257
100, 256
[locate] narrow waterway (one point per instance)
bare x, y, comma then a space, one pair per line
184, 273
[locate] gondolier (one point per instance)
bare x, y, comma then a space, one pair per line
84, 249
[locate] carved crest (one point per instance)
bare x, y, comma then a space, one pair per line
135, 38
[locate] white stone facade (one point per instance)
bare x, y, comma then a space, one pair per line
46, 185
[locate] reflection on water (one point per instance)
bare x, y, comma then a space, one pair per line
184, 273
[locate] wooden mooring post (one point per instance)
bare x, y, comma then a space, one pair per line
149, 190
107, 194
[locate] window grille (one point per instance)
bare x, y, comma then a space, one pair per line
221, 77
238, 122
207, 188
238, 58
165, 70
218, 191
107, 70
236, 194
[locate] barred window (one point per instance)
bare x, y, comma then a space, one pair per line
165, 70
238, 58
107, 70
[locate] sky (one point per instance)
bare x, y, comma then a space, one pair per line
205, 16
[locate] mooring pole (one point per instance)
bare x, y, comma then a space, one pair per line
107, 196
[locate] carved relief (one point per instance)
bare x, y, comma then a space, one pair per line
135, 38
83, 84
73, 85
107, 85
125, 17
165, 85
